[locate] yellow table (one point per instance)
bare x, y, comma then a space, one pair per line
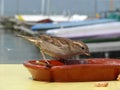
16, 77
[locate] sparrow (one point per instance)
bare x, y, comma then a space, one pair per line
58, 47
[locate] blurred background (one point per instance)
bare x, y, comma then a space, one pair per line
95, 22
51, 7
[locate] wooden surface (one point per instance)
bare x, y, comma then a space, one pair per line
16, 77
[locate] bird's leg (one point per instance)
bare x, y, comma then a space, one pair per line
77, 57
43, 55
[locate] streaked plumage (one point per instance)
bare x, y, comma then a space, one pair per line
58, 47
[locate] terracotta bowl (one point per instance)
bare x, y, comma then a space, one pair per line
94, 69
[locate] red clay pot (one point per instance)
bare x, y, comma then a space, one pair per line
94, 69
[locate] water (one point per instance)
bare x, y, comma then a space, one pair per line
16, 50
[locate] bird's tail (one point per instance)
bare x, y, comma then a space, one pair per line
31, 39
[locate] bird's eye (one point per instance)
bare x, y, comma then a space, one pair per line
82, 48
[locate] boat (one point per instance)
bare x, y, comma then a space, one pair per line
92, 69
67, 24
93, 32
55, 18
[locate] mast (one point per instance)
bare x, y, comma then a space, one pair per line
2, 7
42, 6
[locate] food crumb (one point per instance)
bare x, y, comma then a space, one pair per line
101, 84
118, 78
40, 63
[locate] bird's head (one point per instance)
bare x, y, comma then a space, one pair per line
83, 47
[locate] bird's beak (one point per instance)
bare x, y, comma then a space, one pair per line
88, 54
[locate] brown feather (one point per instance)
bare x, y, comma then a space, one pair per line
59, 47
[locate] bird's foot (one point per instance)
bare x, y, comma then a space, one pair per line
47, 64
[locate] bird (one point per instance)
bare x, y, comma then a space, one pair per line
58, 47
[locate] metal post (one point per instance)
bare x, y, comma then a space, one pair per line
106, 54
96, 9
95, 2
17, 3
42, 6
48, 6
2, 7
111, 5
